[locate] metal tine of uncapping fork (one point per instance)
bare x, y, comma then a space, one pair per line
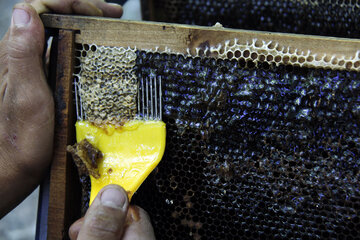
143, 98
151, 100
156, 99
160, 99
138, 98
82, 113
156, 96
147, 98
76, 100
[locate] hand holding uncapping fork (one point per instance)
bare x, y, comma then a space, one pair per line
27, 123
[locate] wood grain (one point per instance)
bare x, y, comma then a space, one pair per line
179, 38
61, 169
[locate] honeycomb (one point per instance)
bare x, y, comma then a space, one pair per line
266, 152
256, 148
105, 83
271, 53
320, 17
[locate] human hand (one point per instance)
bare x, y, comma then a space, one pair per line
26, 109
26, 103
82, 7
110, 218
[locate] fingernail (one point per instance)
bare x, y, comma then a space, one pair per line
113, 197
20, 17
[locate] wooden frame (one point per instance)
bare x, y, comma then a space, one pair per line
179, 38
65, 191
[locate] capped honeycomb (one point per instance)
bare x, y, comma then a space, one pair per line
320, 17
257, 148
106, 84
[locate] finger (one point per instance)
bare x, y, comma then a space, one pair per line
38, 6
24, 58
26, 36
82, 7
75, 229
105, 219
109, 9
137, 221
138, 225
86, 8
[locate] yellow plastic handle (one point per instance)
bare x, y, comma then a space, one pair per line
131, 152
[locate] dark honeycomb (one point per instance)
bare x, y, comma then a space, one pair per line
254, 153
321, 17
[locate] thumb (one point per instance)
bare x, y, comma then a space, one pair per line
26, 38
106, 216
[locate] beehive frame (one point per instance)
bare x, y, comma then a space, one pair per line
298, 50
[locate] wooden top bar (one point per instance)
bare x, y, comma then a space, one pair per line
183, 38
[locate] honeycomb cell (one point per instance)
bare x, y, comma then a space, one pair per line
329, 18
270, 153
106, 83
254, 148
